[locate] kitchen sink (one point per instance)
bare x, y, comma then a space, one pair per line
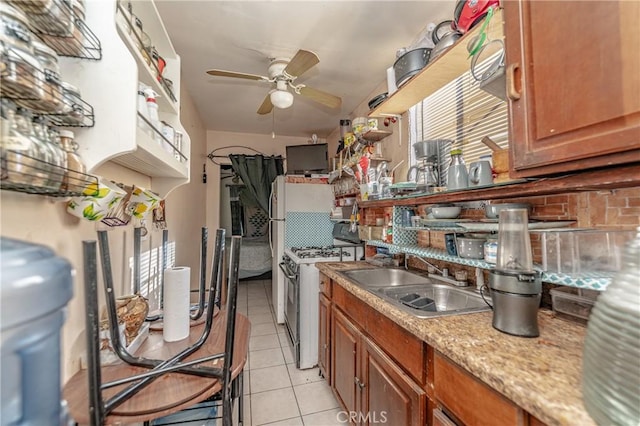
432, 300
418, 295
368, 278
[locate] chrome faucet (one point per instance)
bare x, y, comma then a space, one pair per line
444, 271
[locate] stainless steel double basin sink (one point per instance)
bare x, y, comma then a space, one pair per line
420, 296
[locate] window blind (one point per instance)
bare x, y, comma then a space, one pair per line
461, 113
151, 273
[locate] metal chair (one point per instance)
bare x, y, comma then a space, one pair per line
99, 409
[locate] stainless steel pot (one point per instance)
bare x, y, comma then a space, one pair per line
445, 43
429, 148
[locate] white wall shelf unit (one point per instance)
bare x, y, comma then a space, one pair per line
111, 86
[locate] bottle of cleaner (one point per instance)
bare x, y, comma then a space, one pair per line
152, 106
142, 106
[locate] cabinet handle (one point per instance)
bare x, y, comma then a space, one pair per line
359, 383
512, 92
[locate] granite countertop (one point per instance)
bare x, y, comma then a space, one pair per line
542, 375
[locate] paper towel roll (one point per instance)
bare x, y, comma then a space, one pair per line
391, 81
176, 304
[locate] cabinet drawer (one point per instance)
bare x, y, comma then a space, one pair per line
407, 350
325, 285
470, 400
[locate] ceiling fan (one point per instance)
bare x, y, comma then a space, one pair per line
283, 72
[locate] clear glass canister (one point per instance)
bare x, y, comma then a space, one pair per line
52, 90
50, 17
76, 173
23, 154
22, 77
14, 28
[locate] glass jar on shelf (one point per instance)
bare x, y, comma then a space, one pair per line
22, 76
14, 28
55, 157
20, 153
72, 108
76, 174
51, 85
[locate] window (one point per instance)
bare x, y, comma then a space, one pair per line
459, 114
151, 273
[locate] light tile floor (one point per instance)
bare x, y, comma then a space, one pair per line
276, 392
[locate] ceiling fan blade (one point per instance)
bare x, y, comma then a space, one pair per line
322, 97
266, 106
301, 63
223, 73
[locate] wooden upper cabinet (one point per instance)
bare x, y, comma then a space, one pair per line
573, 82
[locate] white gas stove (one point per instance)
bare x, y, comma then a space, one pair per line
301, 295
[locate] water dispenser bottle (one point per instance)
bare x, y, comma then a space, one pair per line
35, 287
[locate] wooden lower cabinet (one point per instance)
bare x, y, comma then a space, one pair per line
367, 382
324, 335
469, 401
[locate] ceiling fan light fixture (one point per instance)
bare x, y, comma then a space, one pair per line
281, 99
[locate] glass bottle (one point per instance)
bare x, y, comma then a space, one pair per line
457, 176
76, 177
610, 375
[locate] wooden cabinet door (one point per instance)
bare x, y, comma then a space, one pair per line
573, 81
344, 359
324, 338
389, 395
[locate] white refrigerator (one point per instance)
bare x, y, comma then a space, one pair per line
299, 216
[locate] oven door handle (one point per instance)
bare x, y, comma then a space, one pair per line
286, 272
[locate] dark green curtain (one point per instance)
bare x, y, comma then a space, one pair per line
257, 172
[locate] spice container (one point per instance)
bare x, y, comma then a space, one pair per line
51, 101
14, 28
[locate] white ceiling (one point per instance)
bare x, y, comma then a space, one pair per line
356, 42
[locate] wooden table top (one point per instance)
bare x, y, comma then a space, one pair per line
171, 392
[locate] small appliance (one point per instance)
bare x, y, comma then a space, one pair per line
468, 13
515, 287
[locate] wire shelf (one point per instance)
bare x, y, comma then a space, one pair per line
42, 92
61, 28
23, 173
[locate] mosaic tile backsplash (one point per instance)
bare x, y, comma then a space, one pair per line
308, 229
